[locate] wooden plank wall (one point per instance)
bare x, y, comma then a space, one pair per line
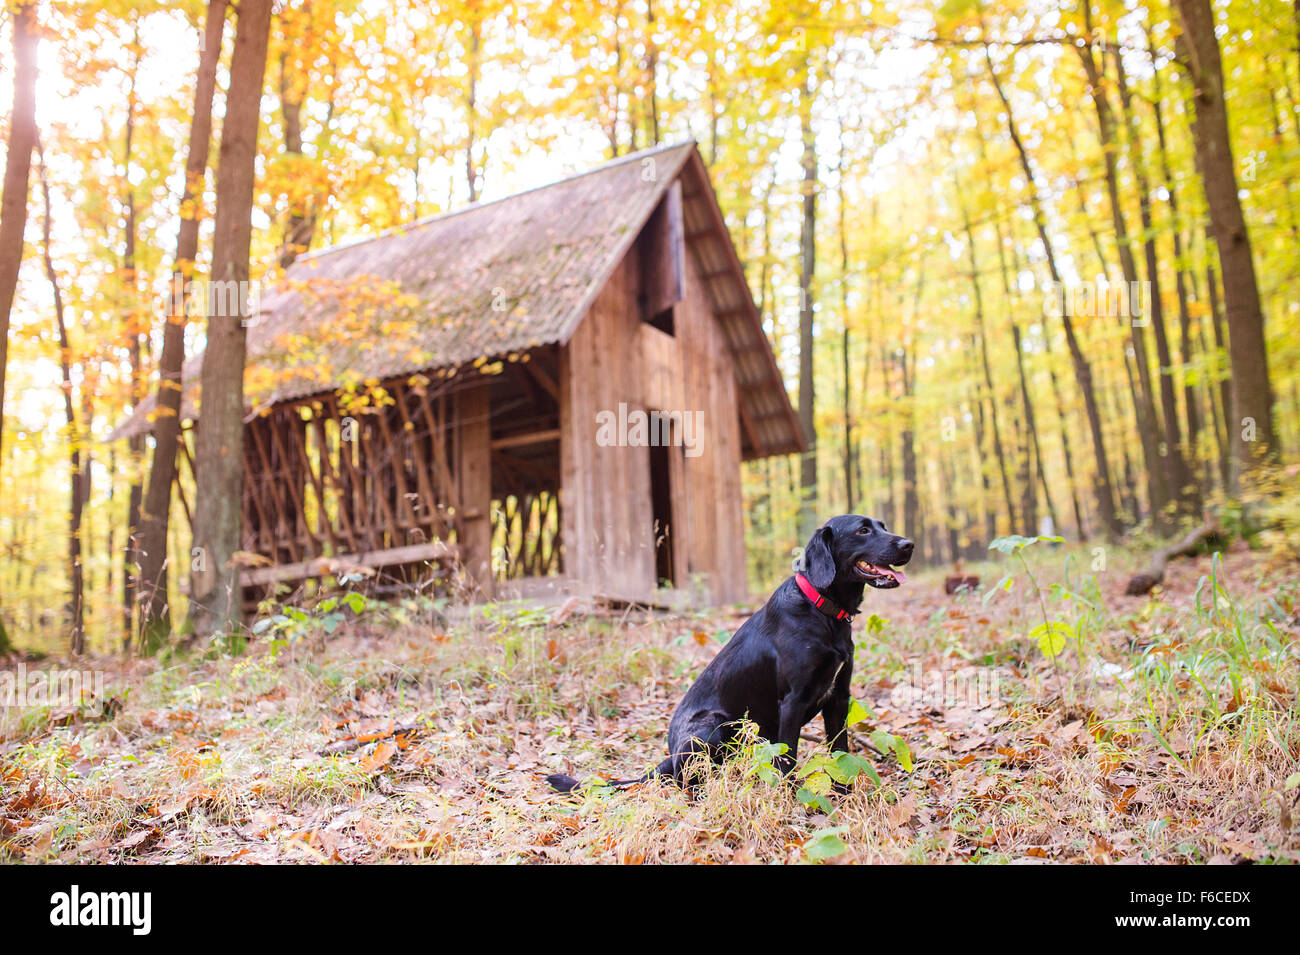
612, 357
715, 529
474, 478
605, 496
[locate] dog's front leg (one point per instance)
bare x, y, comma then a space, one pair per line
835, 711
835, 715
794, 707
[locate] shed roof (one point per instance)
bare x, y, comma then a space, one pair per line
496, 279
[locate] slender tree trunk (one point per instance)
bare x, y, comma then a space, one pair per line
1148, 424
1182, 486
872, 295
888, 502
18, 165
217, 602
133, 330
912, 519
1251, 424
1225, 382
850, 456
808, 517
1030, 452
984, 358
471, 108
155, 612
911, 500
652, 72
300, 227
1126, 489
1034, 472
986, 486
76, 474
1082, 370
1190, 405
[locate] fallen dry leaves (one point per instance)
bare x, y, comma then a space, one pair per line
409, 744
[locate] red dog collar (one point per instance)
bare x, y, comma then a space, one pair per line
820, 601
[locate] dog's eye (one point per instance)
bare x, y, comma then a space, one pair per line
865, 530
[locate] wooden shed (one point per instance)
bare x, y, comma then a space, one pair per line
557, 388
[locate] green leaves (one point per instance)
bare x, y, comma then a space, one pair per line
857, 713
292, 622
886, 742
763, 761
820, 774
1051, 636
1014, 542
875, 624
826, 843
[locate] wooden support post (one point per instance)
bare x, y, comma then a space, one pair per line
474, 480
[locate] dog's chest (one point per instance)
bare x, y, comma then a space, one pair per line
830, 684
830, 671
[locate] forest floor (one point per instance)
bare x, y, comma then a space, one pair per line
1164, 731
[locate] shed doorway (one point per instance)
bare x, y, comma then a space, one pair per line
661, 503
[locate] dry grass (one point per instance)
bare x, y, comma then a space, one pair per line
1170, 737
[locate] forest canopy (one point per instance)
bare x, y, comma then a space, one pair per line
1026, 268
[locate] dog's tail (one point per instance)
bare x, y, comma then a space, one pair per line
567, 784
670, 768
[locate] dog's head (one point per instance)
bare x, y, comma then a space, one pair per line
857, 549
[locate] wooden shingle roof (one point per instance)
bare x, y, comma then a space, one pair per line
497, 279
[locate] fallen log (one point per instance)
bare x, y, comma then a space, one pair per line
1142, 582
955, 583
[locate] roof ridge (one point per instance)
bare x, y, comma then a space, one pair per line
451, 213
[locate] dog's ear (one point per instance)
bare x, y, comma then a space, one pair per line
819, 560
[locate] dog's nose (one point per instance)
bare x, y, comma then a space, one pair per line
905, 547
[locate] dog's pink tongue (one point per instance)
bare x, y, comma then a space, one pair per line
896, 574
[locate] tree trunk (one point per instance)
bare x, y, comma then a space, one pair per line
217, 601
1034, 472
1225, 383
808, 517
133, 331
471, 108
907, 365
1148, 424
301, 222
1191, 408
850, 456
1181, 483
1250, 426
155, 611
984, 358
18, 166
1082, 370
652, 72
1030, 452
77, 473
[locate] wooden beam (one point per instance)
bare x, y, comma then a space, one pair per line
427, 498
297, 491
539, 375
439, 551
748, 424
330, 476
521, 440
322, 515
473, 463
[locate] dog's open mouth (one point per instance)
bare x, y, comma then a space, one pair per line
881, 577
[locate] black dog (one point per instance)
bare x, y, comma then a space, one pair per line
790, 660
